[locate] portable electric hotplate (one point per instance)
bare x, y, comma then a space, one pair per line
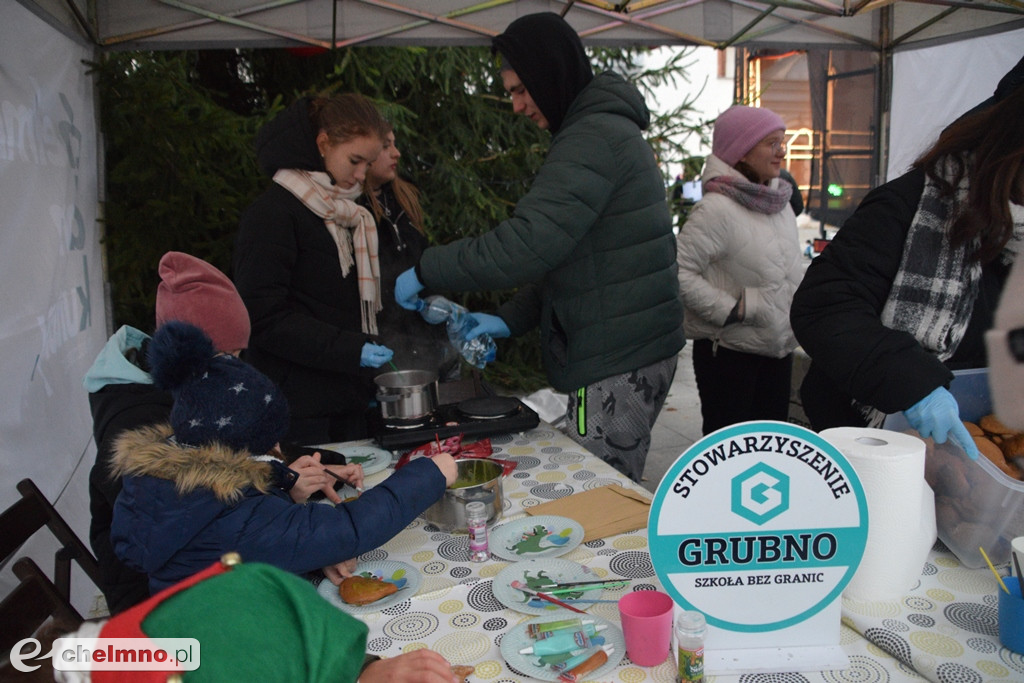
479, 416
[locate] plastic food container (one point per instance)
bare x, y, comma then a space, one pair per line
976, 505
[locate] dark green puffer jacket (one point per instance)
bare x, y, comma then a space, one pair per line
590, 246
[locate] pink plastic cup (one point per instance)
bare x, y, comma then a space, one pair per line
647, 626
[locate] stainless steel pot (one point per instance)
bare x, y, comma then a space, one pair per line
407, 397
478, 479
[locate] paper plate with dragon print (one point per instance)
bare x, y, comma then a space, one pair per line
535, 537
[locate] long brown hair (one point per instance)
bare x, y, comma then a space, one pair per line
346, 116
988, 147
408, 195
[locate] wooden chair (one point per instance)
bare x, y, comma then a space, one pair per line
31, 604
30, 514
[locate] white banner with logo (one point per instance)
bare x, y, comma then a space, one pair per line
760, 526
52, 319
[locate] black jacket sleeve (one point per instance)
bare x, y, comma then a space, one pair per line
836, 312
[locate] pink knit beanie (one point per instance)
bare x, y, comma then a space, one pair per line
193, 291
739, 128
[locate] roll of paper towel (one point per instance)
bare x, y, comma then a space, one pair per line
901, 509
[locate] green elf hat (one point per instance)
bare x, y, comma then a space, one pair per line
254, 622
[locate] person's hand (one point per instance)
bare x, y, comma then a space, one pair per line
336, 572
485, 323
311, 478
352, 474
446, 463
937, 415
374, 355
407, 289
738, 312
418, 666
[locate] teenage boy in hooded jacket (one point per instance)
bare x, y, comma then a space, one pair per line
590, 246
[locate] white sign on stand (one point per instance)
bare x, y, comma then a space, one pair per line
760, 526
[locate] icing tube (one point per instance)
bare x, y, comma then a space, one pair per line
535, 630
563, 641
574, 661
589, 629
595, 661
552, 660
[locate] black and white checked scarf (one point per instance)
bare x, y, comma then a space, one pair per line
933, 292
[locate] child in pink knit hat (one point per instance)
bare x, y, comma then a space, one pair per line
122, 397
193, 291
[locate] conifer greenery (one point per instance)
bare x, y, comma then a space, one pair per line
178, 129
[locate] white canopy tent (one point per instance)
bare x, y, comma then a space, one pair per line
53, 319
884, 25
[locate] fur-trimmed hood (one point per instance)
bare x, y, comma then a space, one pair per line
149, 451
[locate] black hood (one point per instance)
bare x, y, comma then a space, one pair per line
549, 59
289, 141
1011, 80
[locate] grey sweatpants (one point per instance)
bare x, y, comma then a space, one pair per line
613, 417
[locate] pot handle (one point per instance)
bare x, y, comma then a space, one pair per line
389, 398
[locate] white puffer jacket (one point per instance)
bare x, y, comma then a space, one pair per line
725, 249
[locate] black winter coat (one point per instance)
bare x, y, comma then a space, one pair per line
115, 409
306, 327
836, 316
416, 343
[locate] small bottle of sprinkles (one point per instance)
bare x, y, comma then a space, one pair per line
476, 522
690, 631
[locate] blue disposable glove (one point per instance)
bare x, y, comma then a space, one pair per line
374, 355
484, 323
407, 289
937, 415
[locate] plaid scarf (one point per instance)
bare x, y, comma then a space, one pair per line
933, 293
352, 228
932, 296
753, 196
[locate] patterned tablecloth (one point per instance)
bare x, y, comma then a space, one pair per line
945, 630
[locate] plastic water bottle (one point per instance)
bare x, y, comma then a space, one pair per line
435, 309
479, 351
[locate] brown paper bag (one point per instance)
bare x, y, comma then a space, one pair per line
603, 512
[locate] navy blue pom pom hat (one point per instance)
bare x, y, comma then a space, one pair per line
217, 397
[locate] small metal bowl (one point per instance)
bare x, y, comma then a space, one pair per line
479, 479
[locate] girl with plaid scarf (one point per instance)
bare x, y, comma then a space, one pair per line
905, 292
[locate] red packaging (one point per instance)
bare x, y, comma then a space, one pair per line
453, 445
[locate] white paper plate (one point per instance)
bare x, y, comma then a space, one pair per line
405, 576
535, 537
516, 640
372, 459
530, 570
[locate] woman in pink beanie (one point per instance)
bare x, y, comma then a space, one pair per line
739, 264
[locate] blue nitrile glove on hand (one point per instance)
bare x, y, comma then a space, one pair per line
485, 323
374, 355
937, 415
407, 289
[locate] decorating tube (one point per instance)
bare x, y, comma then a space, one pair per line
595, 661
575, 660
552, 660
587, 628
534, 630
563, 641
